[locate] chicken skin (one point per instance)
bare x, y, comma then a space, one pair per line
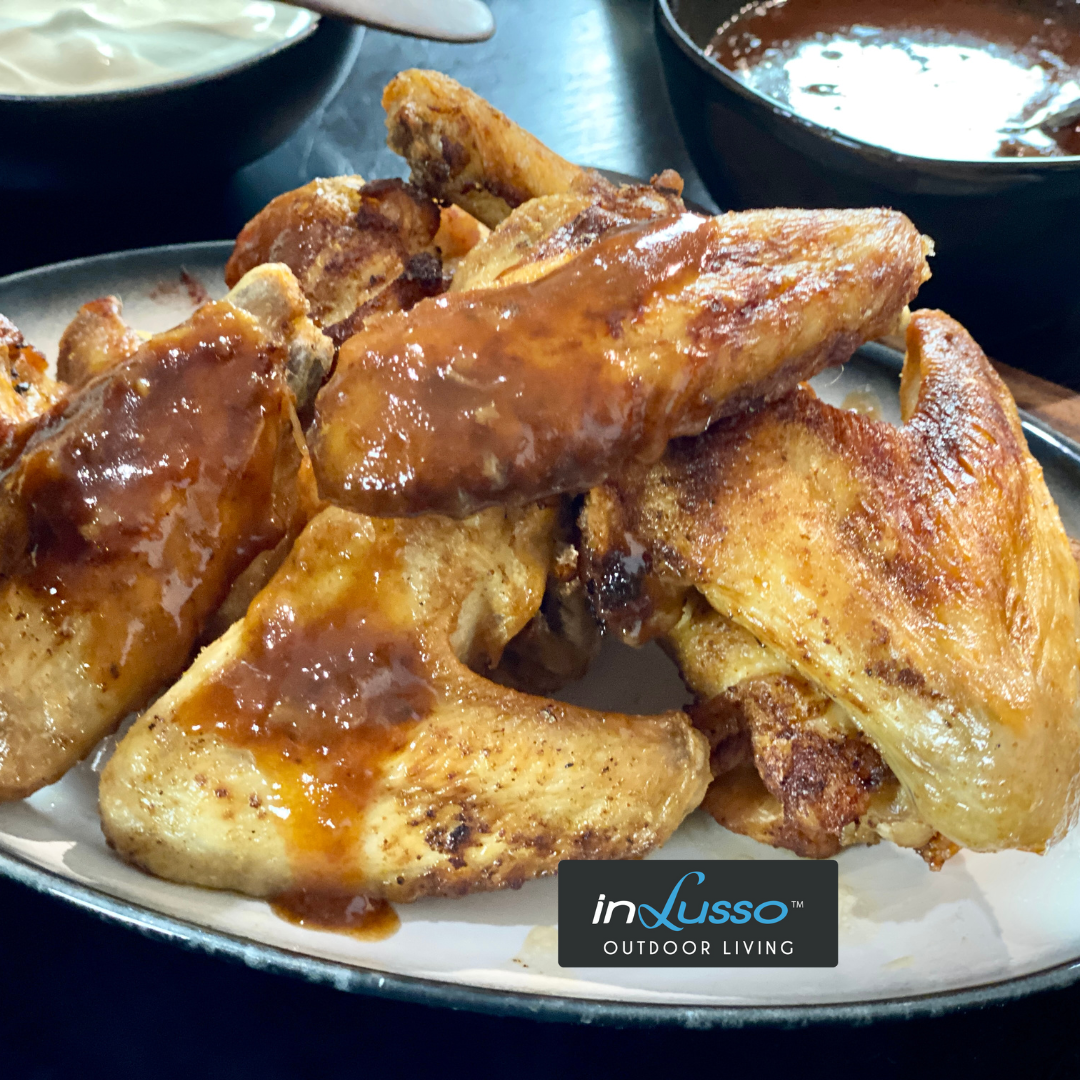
97, 339
127, 516
916, 577
461, 150
355, 248
651, 331
791, 767
334, 741
29, 396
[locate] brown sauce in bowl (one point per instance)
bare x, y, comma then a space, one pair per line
929, 78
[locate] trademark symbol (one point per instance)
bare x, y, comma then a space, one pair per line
796, 903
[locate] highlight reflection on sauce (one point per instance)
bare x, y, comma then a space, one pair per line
935, 78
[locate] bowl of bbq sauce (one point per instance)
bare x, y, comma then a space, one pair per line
928, 106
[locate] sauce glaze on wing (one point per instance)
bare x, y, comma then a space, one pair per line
126, 519
511, 394
334, 741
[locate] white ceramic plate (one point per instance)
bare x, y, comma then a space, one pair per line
911, 941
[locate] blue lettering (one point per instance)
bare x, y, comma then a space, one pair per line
767, 904
699, 919
662, 916
744, 909
720, 907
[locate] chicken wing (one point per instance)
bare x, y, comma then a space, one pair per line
126, 518
791, 767
96, 340
917, 577
650, 331
28, 395
462, 150
355, 248
335, 740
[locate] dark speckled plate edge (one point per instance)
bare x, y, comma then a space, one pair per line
1047, 445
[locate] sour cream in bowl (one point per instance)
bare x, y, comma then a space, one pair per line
61, 47
100, 93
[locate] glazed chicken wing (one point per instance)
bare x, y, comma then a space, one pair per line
917, 578
647, 331
126, 518
335, 741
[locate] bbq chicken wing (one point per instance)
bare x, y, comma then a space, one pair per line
335, 741
908, 588
126, 518
647, 331
355, 248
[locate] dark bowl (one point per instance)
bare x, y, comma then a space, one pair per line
197, 128
1007, 231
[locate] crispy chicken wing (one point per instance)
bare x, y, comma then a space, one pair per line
355, 248
917, 577
335, 740
96, 340
646, 332
464, 151
791, 767
127, 517
28, 395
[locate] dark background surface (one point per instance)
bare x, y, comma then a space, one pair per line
82, 998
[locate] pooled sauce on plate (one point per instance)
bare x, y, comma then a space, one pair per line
342, 913
70, 47
933, 78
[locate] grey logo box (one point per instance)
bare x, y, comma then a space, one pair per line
698, 913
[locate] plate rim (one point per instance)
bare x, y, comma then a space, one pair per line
556, 1008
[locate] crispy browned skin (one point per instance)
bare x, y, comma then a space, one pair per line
335, 741
459, 232
355, 248
563, 637
548, 231
790, 766
464, 151
94, 341
511, 394
917, 576
28, 395
126, 518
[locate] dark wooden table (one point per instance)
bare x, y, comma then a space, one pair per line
84, 999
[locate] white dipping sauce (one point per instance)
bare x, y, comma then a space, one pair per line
66, 47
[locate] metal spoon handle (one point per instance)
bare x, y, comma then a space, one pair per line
440, 20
